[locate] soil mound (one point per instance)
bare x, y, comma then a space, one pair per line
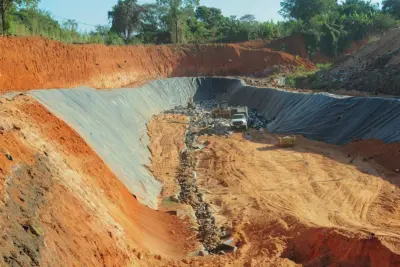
37, 63
375, 68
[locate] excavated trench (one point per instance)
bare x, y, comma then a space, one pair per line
114, 122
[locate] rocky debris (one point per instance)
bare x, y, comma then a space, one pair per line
209, 233
190, 194
202, 122
256, 120
207, 124
208, 104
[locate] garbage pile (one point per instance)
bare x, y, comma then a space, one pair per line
202, 119
207, 104
256, 120
215, 240
207, 125
183, 111
209, 233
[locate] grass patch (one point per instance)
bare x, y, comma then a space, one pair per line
302, 78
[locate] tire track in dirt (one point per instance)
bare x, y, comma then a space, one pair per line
313, 182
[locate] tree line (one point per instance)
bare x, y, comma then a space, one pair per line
328, 26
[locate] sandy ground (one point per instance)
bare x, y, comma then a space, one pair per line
274, 195
167, 135
314, 204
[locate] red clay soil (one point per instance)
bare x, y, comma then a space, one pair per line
330, 247
61, 205
37, 63
387, 155
293, 44
140, 218
255, 44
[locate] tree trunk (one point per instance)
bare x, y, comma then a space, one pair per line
3, 17
176, 33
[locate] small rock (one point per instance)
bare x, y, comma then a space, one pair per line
140, 255
9, 157
203, 253
185, 261
35, 229
16, 127
158, 257
397, 170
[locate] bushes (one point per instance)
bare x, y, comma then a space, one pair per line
327, 26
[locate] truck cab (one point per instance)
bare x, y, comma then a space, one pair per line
239, 121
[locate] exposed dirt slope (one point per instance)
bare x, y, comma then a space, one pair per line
375, 68
61, 205
34, 63
294, 44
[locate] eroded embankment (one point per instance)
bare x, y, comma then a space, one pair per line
61, 205
36, 63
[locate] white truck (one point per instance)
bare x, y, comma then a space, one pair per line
239, 117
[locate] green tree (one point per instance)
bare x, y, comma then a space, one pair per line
306, 9
114, 38
125, 17
6, 6
99, 35
350, 7
154, 24
206, 25
179, 12
211, 16
392, 7
248, 18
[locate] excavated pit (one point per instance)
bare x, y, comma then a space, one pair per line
113, 123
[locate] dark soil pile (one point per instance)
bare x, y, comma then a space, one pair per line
375, 69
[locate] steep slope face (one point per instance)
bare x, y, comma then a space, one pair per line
375, 68
36, 63
60, 205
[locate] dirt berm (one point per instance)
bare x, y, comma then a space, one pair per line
36, 63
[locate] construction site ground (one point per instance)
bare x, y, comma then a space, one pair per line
118, 178
302, 205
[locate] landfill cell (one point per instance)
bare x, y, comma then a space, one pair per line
87, 178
